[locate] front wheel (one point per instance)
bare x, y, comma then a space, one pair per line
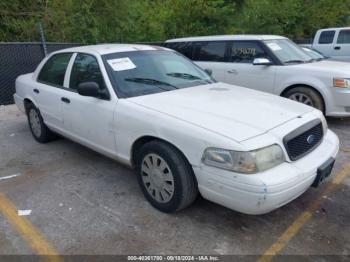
307, 96
165, 177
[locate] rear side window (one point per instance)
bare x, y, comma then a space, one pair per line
246, 52
184, 48
54, 69
209, 51
344, 37
326, 37
86, 69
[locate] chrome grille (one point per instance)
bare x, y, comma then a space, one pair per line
303, 140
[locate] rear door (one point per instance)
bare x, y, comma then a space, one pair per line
211, 55
241, 71
184, 48
342, 45
49, 90
89, 119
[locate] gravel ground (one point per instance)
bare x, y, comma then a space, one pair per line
85, 203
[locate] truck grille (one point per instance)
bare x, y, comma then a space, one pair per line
303, 140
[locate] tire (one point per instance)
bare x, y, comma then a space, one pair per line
171, 185
306, 96
39, 130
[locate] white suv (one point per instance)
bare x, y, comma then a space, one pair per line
272, 64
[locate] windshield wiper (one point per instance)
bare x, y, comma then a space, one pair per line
311, 60
149, 81
187, 76
294, 61
183, 75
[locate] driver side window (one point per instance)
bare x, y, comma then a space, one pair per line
246, 52
86, 69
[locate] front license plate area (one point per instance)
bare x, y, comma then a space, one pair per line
323, 172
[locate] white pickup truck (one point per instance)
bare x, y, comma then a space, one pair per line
333, 43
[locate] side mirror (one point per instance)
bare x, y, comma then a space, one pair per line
91, 89
208, 71
262, 61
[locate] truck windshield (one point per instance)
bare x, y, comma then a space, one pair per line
146, 72
287, 51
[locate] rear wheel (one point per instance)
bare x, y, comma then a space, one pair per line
39, 130
165, 177
306, 96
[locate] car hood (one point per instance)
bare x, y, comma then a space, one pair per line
235, 112
327, 66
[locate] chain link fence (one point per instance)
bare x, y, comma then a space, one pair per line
20, 58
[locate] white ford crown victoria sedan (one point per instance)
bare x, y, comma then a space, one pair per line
153, 109
272, 64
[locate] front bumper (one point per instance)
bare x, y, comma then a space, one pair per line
339, 104
263, 192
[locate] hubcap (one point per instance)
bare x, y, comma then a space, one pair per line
157, 178
302, 98
35, 122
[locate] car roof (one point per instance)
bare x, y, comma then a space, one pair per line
226, 38
104, 49
334, 28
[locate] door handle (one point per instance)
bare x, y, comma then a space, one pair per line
337, 47
232, 71
65, 99
36, 91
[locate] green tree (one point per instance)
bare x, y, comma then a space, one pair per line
85, 21
18, 20
198, 17
96, 21
293, 18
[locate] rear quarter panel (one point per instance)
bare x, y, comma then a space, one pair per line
24, 87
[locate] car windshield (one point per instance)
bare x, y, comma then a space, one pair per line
146, 72
287, 51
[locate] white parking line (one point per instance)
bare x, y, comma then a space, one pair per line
10, 176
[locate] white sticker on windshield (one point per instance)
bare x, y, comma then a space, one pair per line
121, 64
274, 46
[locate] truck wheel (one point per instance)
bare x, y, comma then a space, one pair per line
165, 177
306, 96
39, 130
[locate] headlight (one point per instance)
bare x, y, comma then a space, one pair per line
341, 82
247, 162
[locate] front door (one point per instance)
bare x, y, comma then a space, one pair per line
239, 70
342, 45
89, 119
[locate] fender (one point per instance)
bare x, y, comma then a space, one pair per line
132, 124
312, 82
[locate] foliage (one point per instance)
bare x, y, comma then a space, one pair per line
293, 18
96, 21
